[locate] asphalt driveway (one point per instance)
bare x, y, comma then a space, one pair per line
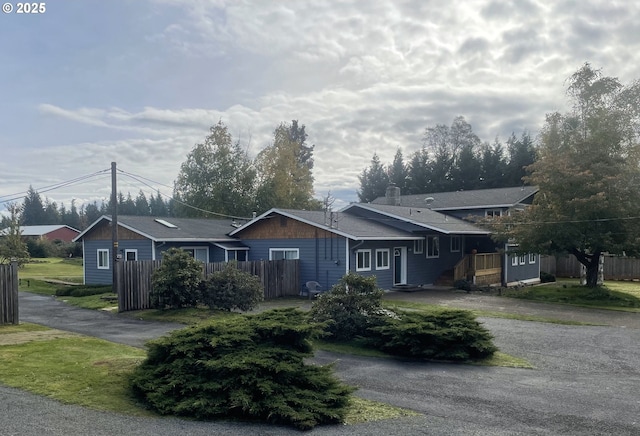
586, 381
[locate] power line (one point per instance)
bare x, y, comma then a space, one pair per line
59, 185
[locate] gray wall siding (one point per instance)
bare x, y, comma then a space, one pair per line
420, 269
520, 272
95, 276
321, 259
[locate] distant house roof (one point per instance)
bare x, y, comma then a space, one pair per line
172, 229
350, 226
423, 217
40, 230
475, 199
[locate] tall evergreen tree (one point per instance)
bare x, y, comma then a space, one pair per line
522, 153
33, 213
373, 181
397, 172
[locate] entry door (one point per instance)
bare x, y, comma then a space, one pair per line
400, 266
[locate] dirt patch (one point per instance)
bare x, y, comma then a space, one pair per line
40, 335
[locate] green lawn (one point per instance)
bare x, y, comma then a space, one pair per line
53, 268
613, 295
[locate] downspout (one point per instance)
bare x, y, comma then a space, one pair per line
353, 249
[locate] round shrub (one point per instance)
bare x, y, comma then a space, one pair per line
232, 289
176, 283
444, 335
546, 277
350, 307
243, 367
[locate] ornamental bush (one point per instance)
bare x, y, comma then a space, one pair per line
232, 289
444, 335
350, 307
243, 367
176, 283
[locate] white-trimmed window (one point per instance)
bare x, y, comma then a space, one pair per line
130, 255
433, 246
418, 246
523, 259
456, 244
363, 260
103, 259
493, 213
514, 260
198, 253
284, 253
382, 259
238, 255
532, 258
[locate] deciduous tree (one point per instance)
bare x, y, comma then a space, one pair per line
588, 173
218, 176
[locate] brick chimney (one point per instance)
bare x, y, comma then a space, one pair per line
392, 195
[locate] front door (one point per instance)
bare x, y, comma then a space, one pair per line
400, 266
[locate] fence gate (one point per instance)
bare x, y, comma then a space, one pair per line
9, 294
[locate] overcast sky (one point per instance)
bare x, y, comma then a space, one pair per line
140, 82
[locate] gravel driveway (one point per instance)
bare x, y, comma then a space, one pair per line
586, 381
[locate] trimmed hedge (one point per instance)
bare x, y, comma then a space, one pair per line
232, 289
244, 367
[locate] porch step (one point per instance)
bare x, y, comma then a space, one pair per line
445, 279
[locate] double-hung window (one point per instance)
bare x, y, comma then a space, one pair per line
198, 253
418, 246
103, 259
363, 260
433, 246
284, 253
382, 259
456, 244
532, 258
130, 255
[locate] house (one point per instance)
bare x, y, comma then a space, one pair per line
403, 245
49, 232
480, 203
145, 238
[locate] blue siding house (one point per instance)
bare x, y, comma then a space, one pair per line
146, 238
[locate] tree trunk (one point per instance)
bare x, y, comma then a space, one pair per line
591, 263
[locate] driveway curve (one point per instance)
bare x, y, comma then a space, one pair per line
585, 382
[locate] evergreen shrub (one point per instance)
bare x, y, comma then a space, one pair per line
350, 307
176, 283
83, 290
232, 289
242, 367
444, 335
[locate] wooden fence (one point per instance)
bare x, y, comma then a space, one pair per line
279, 278
615, 267
9, 294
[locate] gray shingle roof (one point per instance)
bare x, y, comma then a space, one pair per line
186, 229
424, 217
350, 226
476, 199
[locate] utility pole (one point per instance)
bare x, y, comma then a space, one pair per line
114, 232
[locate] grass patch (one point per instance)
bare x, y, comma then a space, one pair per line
504, 360
361, 410
94, 302
21, 328
614, 296
187, 316
37, 286
53, 268
85, 371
